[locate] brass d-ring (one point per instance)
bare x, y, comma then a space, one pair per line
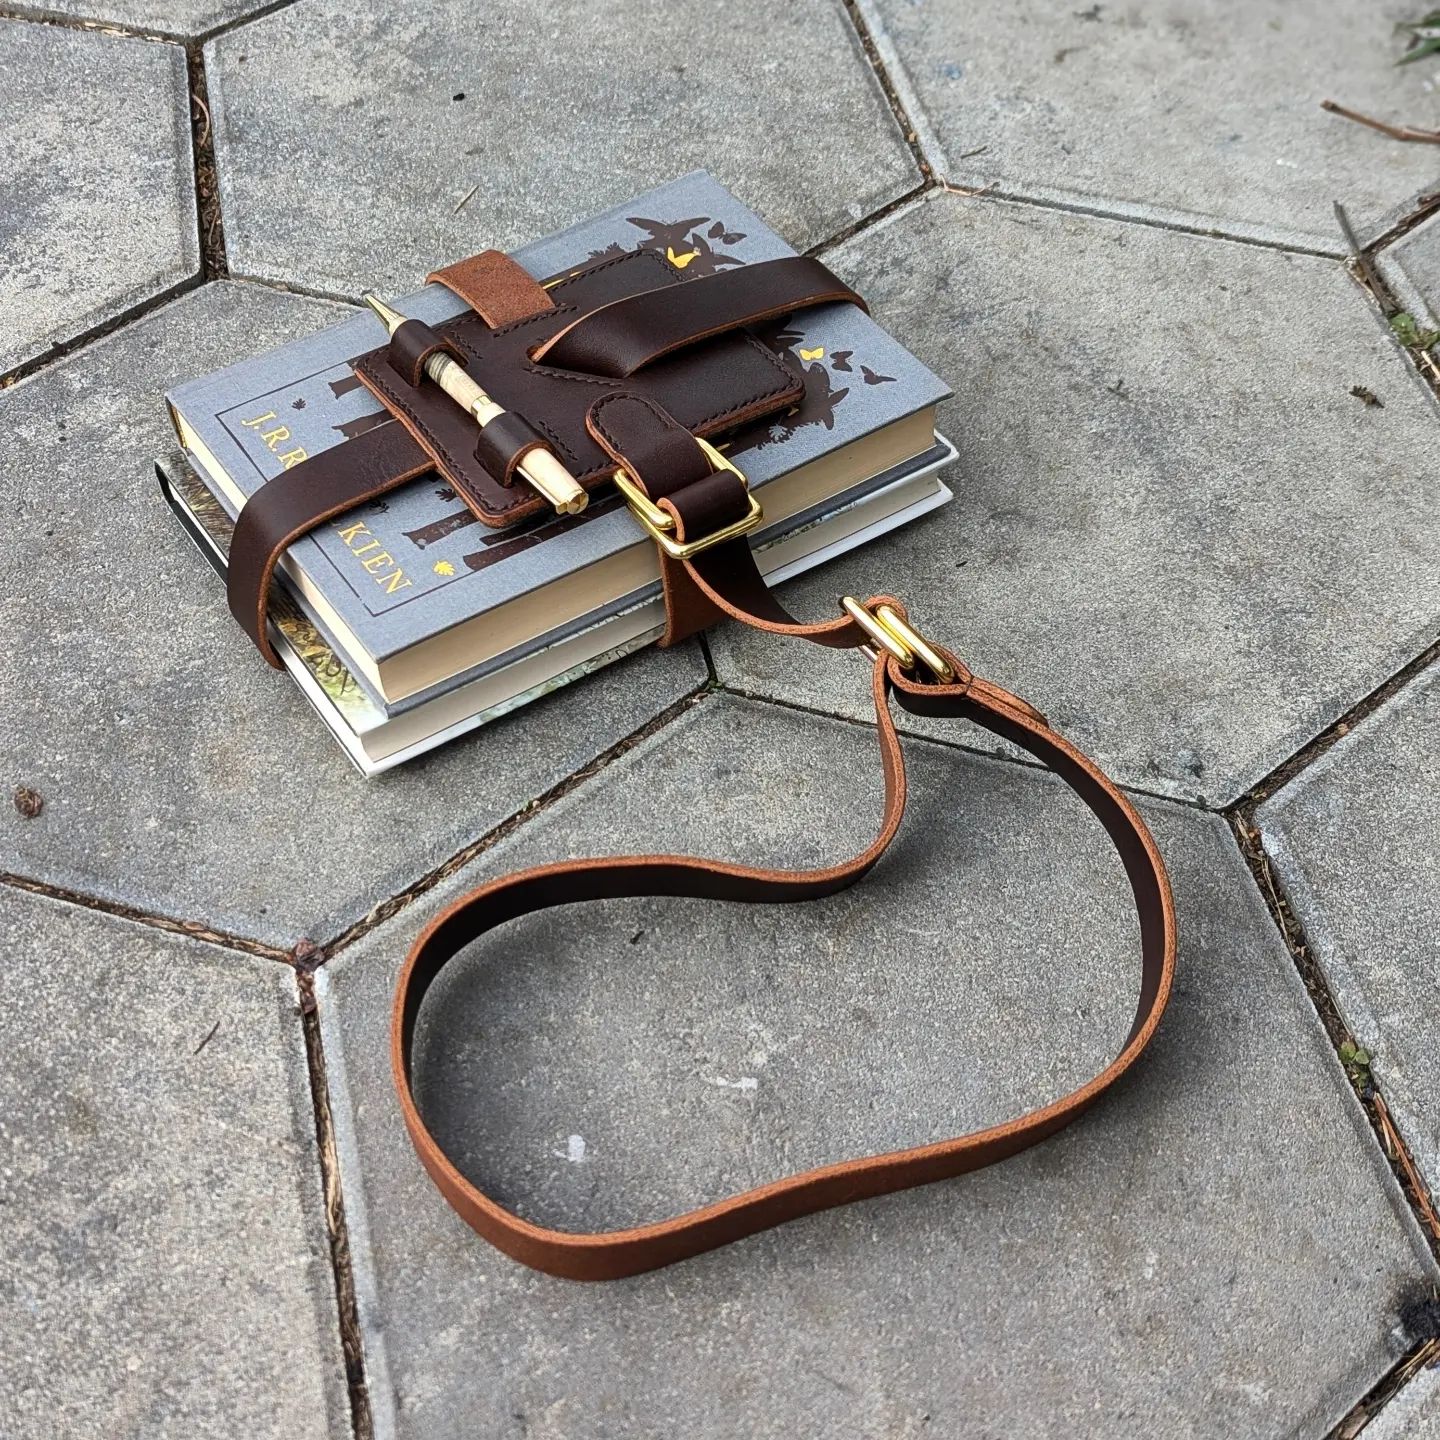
898, 638
885, 638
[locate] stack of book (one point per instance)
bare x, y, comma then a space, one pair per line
408, 622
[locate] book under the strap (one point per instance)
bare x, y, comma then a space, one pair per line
418, 602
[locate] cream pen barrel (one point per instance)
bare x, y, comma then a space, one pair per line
540, 468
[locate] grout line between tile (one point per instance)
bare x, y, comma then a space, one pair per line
60, 20
1387, 1137
57, 20
1125, 214
214, 263
1424, 206
872, 220
1390, 1384
1314, 748
872, 51
294, 287
702, 638
352, 1343
240, 21
924, 738
195, 929
1366, 274
63, 349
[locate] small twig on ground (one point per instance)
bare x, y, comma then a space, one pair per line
214, 1030
465, 198
1419, 1192
204, 109
1395, 132
966, 191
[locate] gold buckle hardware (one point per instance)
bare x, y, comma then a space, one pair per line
660, 524
893, 634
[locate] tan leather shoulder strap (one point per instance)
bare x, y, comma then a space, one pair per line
724, 580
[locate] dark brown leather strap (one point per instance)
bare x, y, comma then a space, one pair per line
296, 501
620, 338
725, 580
497, 289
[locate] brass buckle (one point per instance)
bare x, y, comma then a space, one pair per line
893, 634
660, 524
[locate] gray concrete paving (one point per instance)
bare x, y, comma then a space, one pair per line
1206, 116
349, 136
166, 1269
1132, 546
183, 19
1414, 1414
652, 1055
178, 774
1354, 842
97, 200
1411, 267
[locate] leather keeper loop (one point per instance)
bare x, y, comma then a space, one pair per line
497, 289
412, 345
504, 443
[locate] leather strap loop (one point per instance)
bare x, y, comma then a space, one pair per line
615, 1254
724, 580
641, 438
620, 338
504, 443
412, 345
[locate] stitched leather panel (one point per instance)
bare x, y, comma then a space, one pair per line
707, 388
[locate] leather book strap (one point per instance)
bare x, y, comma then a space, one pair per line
626, 335
724, 580
297, 500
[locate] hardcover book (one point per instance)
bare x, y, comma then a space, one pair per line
413, 595
376, 740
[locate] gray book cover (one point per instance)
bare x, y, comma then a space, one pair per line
265, 413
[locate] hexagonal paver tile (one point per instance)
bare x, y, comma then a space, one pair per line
178, 772
649, 1055
1353, 840
1414, 1414
180, 18
350, 136
1204, 116
1175, 530
1411, 266
166, 1271
97, 194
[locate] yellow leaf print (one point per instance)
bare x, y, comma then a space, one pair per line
443, 567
